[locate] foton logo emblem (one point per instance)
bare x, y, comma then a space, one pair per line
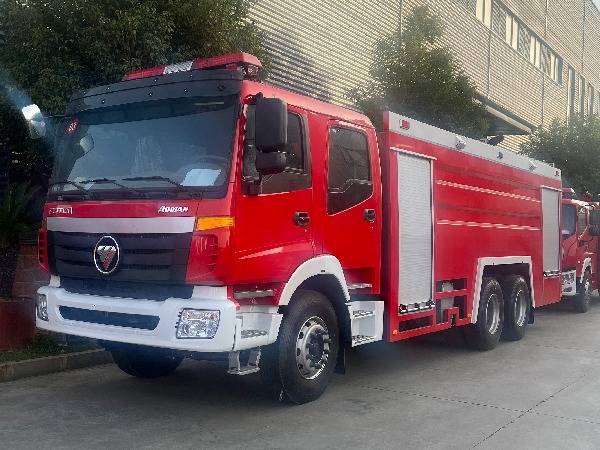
107, 255
172, 209
61, 210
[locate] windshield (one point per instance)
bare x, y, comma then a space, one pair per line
568, 220
183, 144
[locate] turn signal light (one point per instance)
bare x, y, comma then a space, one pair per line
210, 223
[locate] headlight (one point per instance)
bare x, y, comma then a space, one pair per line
568, 277
41, 307
198, 324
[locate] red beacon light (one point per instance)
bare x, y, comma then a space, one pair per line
588, 197
568, 192
248, 64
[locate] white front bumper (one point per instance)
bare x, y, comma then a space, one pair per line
237, 330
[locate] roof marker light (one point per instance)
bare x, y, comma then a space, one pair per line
249, 64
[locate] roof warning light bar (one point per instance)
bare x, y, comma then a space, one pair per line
245, 62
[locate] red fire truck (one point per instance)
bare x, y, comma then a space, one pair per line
196, 212
580, 219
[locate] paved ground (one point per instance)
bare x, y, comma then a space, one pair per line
429, 393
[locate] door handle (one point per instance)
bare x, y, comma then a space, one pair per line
369, 215
301, 219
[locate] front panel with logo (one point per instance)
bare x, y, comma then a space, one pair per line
93, 252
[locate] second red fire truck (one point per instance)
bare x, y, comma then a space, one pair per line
580, 220
196, 212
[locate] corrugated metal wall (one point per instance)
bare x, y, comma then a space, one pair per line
323, 48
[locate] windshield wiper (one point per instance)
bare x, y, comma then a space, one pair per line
72, 183
193, 193
135, 192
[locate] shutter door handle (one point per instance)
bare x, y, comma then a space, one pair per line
369, 215
301, 219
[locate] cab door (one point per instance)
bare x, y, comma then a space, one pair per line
273, 229
352, 219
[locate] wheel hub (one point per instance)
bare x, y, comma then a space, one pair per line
520, 308
312, 348
492, 314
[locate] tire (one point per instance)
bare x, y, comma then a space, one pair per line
581, 302
300, 364
485, 333
516, 307
145, 363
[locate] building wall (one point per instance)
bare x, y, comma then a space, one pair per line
467, 38
324, 48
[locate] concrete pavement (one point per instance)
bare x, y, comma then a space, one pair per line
428, 393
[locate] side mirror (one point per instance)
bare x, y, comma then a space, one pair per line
594, 217
36, 123
594, 231
270, 125
270, 163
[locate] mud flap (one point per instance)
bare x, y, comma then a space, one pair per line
531, 318
340, 365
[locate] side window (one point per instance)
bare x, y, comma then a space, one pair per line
349, 169
568, 220
297, 152
294, 152
582, 220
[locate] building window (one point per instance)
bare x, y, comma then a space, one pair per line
524, 42
571, 94
512, 31
546, 64
582, 96
499, 21
470, 5
535, 52
484, 12
591, 99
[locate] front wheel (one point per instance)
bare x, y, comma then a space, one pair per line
300, 364
581, 302
485, 333
145, 362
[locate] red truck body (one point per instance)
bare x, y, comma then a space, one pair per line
362, 235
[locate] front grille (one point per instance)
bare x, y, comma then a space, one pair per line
109, 318
125, 289
158, 257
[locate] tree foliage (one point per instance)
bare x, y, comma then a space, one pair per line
414, 74
55, 47
18, 214
573, 147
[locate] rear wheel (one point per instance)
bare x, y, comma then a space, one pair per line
516, 307
300, 364
145, 363
581, 302
485, 333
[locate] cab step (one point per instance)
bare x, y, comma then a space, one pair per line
366, 319
235, 367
